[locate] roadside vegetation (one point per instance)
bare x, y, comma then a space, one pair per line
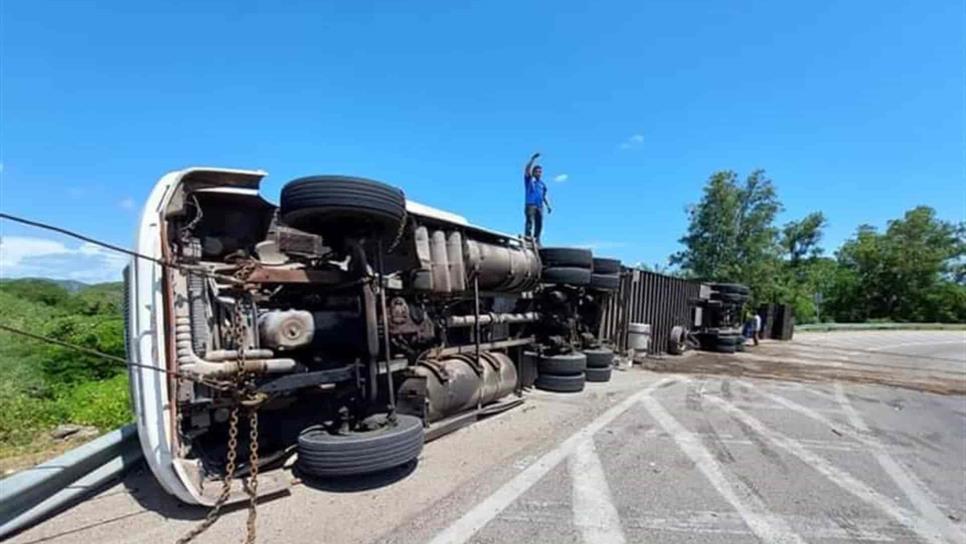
913, 271
45, 386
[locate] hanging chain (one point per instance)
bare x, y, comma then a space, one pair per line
238, 331
252, 487
251, 402
215, 511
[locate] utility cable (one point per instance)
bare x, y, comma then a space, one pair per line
119, 249
109, 357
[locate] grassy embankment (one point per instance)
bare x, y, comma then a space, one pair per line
42, 385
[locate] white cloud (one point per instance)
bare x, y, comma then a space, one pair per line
561, 178
23, 256
600, 244
126, 203
636, 140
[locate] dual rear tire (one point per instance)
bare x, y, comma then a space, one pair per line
562, 373
569, 372
578, 267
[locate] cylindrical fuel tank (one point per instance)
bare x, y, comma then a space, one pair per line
510, 269
456, 384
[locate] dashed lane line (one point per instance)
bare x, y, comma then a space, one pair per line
914, 489
922, 527
917, 492
595, 515
464, 528
767, 526
701, 524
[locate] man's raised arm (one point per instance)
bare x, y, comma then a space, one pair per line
526, 169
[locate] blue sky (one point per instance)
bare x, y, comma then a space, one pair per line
854, 108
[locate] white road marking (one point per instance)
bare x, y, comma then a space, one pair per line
836, 475
908, 344
731, 440
594, 512
843, 526
917, 492
474, 520
765, 525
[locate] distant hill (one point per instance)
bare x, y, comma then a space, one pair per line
67, 296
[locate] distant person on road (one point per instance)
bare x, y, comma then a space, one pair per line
756, 328
536, 197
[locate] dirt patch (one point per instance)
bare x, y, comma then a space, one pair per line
765, 367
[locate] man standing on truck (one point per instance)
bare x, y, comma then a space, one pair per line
536, 197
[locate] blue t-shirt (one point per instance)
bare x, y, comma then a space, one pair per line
535, 190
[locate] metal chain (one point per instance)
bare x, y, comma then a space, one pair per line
252, 487
252, 403
215, 511
238, 331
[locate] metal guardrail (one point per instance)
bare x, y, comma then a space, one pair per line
823, 327
36, 493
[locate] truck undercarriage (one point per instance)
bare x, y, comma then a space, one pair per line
348, 324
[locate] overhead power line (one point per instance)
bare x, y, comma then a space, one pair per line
119, 249
108, 356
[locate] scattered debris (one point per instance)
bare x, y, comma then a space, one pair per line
63, 431
73, 431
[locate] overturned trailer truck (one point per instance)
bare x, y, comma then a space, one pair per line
346, 325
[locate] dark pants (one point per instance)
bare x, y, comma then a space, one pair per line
534, 221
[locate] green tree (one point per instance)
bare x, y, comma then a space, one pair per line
800, 239
907, 273
731, 234
100, 333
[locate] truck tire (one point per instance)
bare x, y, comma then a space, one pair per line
321, 453
731, 288
605, 282
729, 339
342, 206
566, 275
729, 298
728, 343
561, 384
599, 358
607, 266
569, 257
677, 343
598, 374
566, 364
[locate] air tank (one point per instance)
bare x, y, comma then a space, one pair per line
454, 254
440, 266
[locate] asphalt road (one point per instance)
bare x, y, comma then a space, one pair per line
789, 442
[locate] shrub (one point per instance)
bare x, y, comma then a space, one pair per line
104, 404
